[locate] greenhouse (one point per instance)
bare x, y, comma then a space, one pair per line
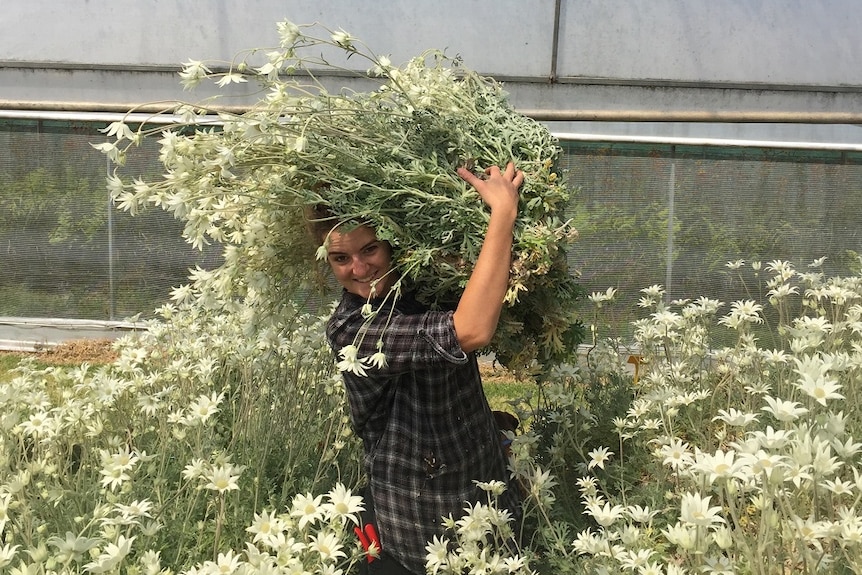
772, 179
683, 314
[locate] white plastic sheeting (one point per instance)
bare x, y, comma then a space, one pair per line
662, 55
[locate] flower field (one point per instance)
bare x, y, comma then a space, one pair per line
204, 448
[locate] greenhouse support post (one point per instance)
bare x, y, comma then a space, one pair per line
670, 199
110, 208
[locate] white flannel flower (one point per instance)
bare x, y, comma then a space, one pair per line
328, 544
288, 33
515, 564
437, 554
598, 457
851, 533
343, 39
742, 313
640, 514
7, 554
718, 565
222, 478
667, 319
723, 537
632, 560
682, 535
541, 482
225, 564
814, 380
654, 291
771, 438
111, 556
762, 463
382, 66
121, 130
110, 149
838, 487
734, 417
782, 410
376, 360
810, 530
72, 547
677, 454
134, 510
494, 487
475, 523
824, 463
204, 407
695, 510
151, 561
781, 292
197, 468
308, 508
818, 262
115, 467
775, 356
39, 425
342, 503
600, 298
183, 294
299, 144
821, 390
192, 73
5, 500
605, 515
349, 361
587, 485
266, 527
720, 465
651, 568
589, 543
848, 449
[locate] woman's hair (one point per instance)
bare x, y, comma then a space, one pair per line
320, 222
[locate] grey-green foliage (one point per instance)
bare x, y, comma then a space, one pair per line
387, 157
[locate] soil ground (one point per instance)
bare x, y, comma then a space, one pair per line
74, 352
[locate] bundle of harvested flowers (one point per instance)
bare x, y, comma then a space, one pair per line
386, 157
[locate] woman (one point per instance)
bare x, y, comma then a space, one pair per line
418, 404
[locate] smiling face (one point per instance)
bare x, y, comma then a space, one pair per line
361, 263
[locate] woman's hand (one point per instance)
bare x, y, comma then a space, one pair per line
499, 189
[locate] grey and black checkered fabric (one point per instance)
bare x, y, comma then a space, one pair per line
426, 426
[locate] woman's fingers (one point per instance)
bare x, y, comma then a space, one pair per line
493, 173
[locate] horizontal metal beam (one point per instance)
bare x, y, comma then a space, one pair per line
714, 142
352, 75
66, 115
7, 107
695, 116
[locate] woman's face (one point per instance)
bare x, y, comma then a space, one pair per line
361, 263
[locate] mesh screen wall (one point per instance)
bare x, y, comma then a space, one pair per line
726, 204
65, 253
